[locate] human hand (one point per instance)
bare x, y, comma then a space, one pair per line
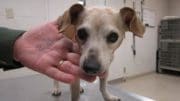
42, 48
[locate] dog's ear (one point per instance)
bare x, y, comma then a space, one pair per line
71, 16
69, 19
132, 22
75, 12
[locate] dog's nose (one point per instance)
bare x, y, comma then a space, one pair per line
91, 66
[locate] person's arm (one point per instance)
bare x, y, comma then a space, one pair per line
7, 39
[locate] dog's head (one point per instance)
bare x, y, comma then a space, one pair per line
99, 32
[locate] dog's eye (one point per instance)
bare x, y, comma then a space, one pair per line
112, 37
82, 34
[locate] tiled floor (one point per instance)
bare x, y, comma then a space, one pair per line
160, 87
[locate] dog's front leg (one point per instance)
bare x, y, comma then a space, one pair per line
75, 91
56, 91
106, 95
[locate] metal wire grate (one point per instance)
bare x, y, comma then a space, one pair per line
170, 29
169, 54
169, 43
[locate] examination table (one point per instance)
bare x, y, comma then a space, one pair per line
38, 88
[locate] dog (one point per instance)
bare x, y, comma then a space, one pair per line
99, 32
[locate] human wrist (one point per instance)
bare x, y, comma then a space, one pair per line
16, 47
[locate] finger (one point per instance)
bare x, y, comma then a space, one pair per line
76, 48
59, 75
55, 22
57, 56
73, 58
64, 44
70, 68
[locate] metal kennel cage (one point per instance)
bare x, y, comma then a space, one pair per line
169, 44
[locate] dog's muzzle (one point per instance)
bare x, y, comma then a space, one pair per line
91, 66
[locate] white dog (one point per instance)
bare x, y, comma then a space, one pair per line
99, 32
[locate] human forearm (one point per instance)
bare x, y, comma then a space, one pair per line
7, 40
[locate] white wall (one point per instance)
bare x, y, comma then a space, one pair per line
174, 9
28, 13
57, 7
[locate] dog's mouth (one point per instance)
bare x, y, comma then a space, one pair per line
100, 74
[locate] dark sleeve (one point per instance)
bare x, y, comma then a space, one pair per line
7, 39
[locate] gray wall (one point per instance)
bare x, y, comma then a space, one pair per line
174, 7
